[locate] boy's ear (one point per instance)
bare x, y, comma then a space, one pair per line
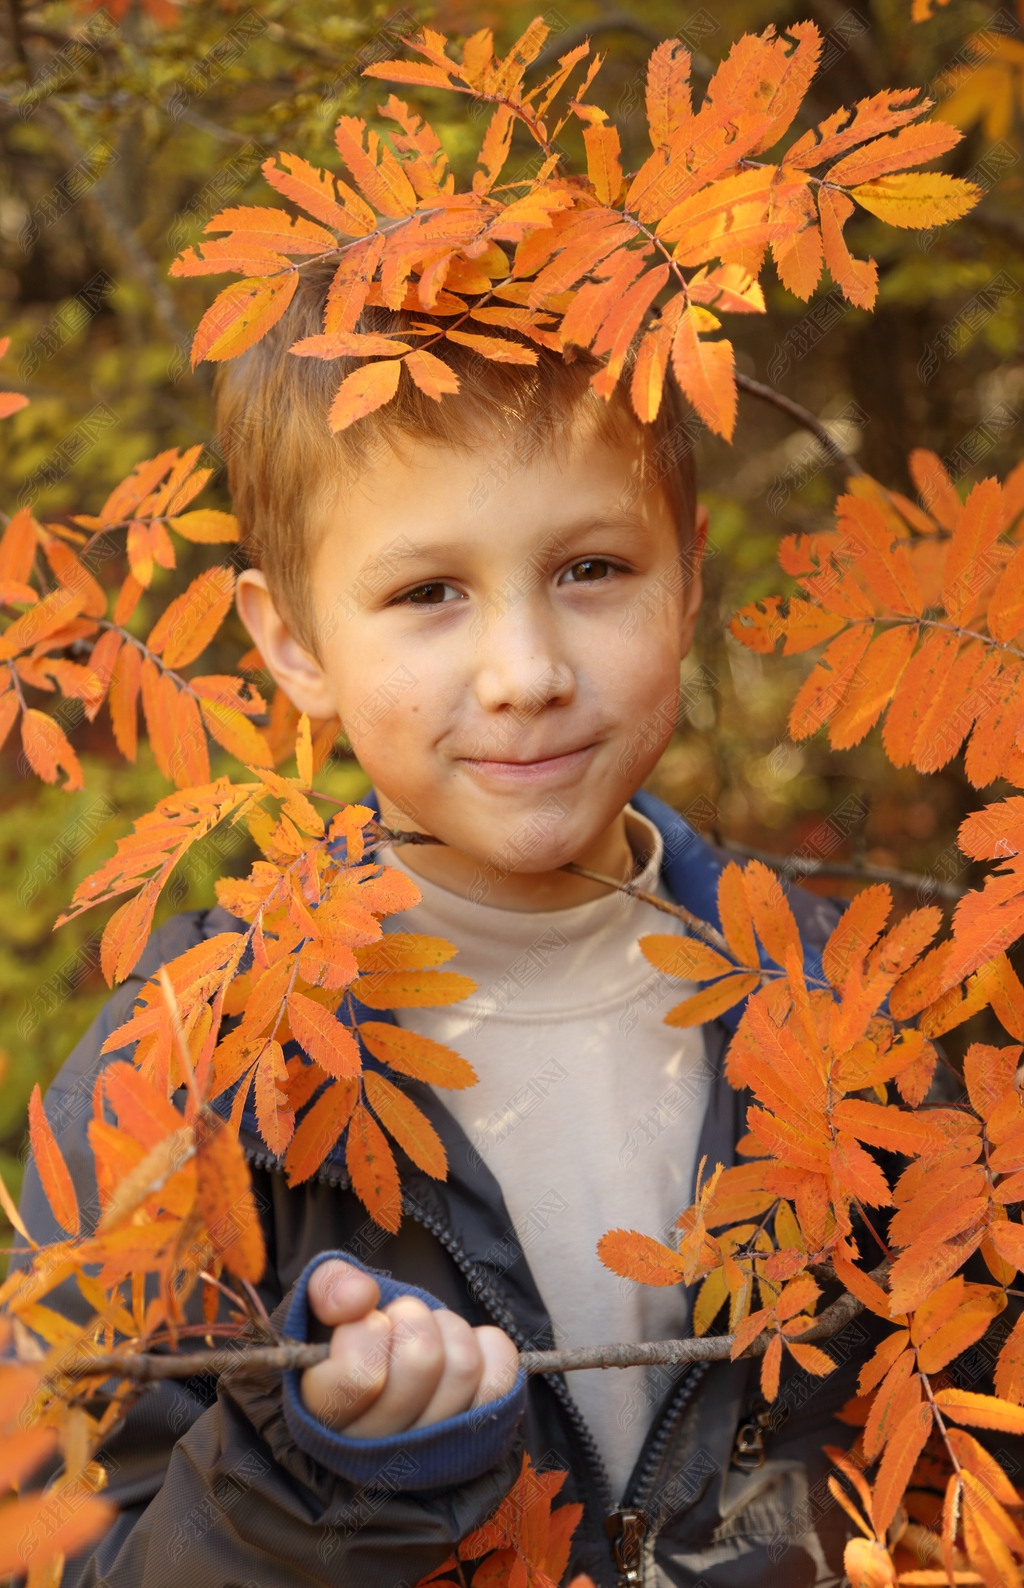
700, 535
290, 665
694, 591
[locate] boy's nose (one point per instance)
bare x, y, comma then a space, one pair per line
526, 689
519, 661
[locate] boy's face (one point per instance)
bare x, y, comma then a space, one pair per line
501, 640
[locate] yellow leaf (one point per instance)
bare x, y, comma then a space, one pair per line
241, 314
917, 198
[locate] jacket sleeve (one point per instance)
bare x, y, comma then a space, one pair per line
206, 1473
440, 1455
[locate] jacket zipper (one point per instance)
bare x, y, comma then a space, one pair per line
629, 1526
626, 1525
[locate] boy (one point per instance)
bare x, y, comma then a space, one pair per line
494, 593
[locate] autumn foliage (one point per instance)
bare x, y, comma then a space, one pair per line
919, 611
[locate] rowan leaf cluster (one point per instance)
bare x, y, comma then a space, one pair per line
852, 1176
919, 608
561, 260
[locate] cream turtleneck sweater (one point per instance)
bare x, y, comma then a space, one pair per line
588, 1110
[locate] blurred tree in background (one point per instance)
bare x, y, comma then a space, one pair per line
124, 128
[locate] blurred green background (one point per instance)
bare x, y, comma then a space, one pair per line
122, 130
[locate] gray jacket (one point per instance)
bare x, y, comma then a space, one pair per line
214, 1493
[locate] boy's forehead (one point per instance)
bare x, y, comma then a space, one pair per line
418, 489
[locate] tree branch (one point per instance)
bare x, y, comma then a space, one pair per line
804, 866
291, 1354
699, 928
833, 451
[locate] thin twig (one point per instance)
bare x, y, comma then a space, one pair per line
804, 866
834, 453
699, 928
295, 1354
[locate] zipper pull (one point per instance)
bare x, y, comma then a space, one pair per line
627, 1530
748, 1452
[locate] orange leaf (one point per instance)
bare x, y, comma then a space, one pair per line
685, 957
206, 526
415, 1055
315, 191
39, 1530
18, 545
894, 1129
1009, 1375
412, 989
909, 146
140, 1108
868, 1564
126, 933
376, 170
189, 623
1008, 1240
859, 928
811, 1359
712, 1001
407, 1124
771, 1366
431, 374
501, 349
47, 749
704, 370
935, 488
324, 1037
274, 1114
640, 1258
857, 279
603, 167
773, 919
241, 314
367, 388
320, 1129
885, 566
968, 561
648, 378
915, 695
980, 1411
736, 918
1006, 607
231, 728
371, 1164
906, 1443
224, 1198
827, 686
50, 1166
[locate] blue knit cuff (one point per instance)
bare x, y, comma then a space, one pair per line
446, 1453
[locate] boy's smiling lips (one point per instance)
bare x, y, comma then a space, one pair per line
552, 766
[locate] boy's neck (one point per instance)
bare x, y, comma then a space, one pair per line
610, 854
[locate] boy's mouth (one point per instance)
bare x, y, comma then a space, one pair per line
546, 767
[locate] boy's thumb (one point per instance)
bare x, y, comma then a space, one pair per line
340, 1293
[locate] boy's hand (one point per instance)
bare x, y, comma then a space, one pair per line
401, 1367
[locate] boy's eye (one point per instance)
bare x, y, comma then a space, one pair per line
427, 595
594, 568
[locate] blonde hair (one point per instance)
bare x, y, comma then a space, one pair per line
285, 467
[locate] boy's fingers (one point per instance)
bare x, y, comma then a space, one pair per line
339, 1293
416, 1364
342, 1387
501, 1364
463, 1365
